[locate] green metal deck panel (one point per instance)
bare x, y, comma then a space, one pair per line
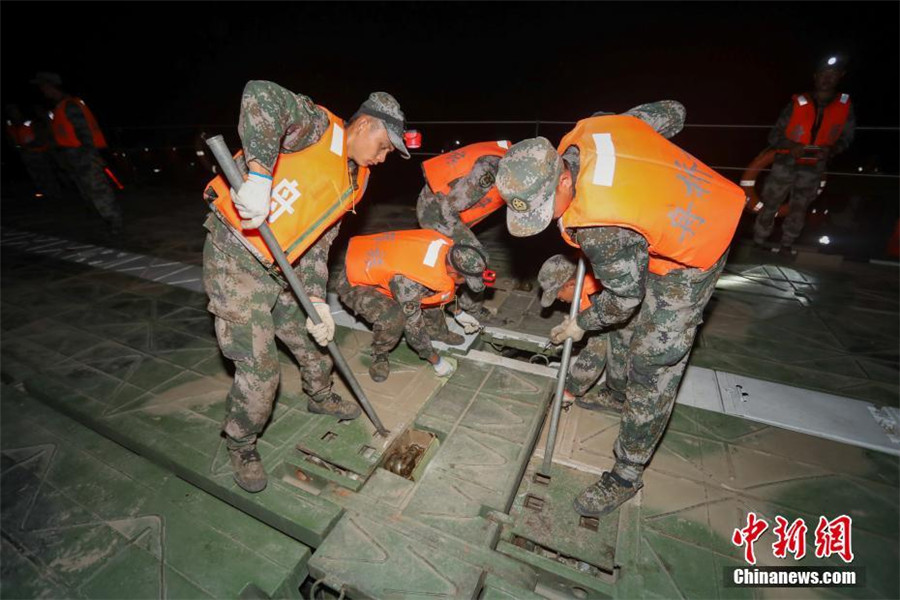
373, 559
541, 511
84, 517
496, 588
488, 419
189, 445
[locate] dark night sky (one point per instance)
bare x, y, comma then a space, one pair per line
177, 63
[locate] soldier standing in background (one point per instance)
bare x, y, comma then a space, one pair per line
814, 127
33, 141
78, 141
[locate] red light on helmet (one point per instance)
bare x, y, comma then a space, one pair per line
412, 138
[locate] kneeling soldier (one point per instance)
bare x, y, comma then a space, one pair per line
398, 281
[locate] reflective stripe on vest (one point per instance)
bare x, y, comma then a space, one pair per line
630, 176
311, 190
64, 130
417, 254
441, 170
803, 119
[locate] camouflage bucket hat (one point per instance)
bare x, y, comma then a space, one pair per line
385, 108
469, 262
527, 178
554, 273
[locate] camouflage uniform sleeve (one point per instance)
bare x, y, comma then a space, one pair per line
470, 188
274, 119
847, 134
777, 136
410, 294
79, 122
312, 268
666, 117
619, 258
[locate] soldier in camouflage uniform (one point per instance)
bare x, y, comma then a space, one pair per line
441, 212
83, 163
251, 302
33, 141
391, 318
659, 314
605, 350
789, 175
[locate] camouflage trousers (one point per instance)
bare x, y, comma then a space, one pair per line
607, 351
252, 308
646, 359
42, 169
802, 183
388, 321
83, 165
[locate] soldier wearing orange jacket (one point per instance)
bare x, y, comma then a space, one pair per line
459, 193
398, 281
655, 224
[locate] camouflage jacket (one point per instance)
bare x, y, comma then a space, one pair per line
778, 137
442, 210
619, 257
274, 120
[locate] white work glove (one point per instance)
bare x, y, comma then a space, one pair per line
324, 331
443, 367
469, 323
253, 200
567, 329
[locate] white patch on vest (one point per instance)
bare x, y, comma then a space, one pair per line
802, 101
605, 168
845, 98
283, 197
748, 182
337, 140
434, 249
503, 144
821, 184
758, 206
27, 123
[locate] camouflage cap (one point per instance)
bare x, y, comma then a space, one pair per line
527, 178
554, 273
469, 262
386, 109
46, 77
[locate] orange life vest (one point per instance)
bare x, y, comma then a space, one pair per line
590, 287
23, 135
441, 170
64, 130
311, 190
803, 119
631, 176
417, 254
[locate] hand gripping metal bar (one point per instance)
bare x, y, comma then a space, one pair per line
223, 156
563, 371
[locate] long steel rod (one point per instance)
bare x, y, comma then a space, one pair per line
223, 156
563, 371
